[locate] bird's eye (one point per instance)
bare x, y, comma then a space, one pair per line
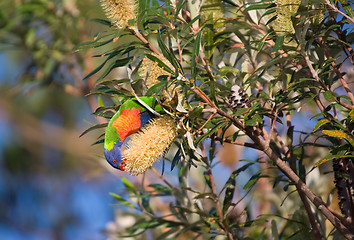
114, 161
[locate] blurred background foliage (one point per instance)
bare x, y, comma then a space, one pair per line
55, 185
51, 183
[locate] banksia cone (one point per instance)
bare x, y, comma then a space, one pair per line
238, 98
119, 12
344, 180
145, 147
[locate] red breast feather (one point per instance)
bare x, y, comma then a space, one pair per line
127, 123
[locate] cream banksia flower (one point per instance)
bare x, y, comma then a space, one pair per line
146, 146
214, 8
119, 12
151, 70
283, 24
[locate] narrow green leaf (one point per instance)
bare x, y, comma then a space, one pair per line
190, 23
257, 6
260, 45
278, 43
229, 192
101, 21
268, 12
235, 135
351, 114
157, 88
271, 20
100, 101
207, 178
145, 202
320, 123
161, 189
251, 122
224, 129
195, 55
122, 200
211, 131
128, 185
252, 181
274, 230
166, 52
330, 157
347, 8
117, 63
179, 6
176, 159
93, 128
339, 134
147, 224
160, 63
328, 95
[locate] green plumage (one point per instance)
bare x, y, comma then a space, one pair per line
130, 117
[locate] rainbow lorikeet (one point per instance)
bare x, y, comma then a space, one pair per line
130, 117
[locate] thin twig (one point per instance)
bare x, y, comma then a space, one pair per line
334, 8
217, 203
206, 122
243, 144
339, 75
161, 178
316, 77
144, 40
315, 226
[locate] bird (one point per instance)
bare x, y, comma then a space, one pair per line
129, 118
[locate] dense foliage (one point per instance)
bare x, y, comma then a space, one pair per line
293, 60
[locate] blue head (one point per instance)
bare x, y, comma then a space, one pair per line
114, 156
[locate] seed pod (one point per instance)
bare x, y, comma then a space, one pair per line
238, 98
343, 169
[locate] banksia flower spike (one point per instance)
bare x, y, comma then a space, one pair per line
150, 70
214, 8
119, 12
146, 146
283, 24
238, 98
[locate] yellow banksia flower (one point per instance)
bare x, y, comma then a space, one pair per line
283, 25
119, 12
150, 70
153, 71
146, 146
213, 8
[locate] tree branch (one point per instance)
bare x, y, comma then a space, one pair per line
334, 8
340, 223
339, 75
316, 77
